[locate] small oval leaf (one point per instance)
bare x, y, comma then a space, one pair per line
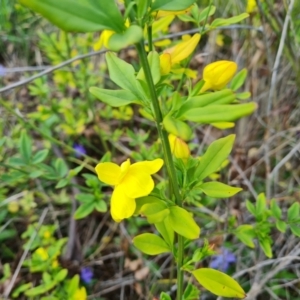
218, 190
150, 244
219, 283
179, 216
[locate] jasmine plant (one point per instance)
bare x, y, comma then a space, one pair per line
212, 100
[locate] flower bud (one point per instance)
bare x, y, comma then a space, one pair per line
179, 148
216, 75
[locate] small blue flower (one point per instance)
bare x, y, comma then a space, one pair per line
86, 275
80, 150
2, 71
223, 260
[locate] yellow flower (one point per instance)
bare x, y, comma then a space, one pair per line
80, 294
179, 147
217, 74
103, 40
251, 6
55, 264
105, 36
47, 234
130, 182
174, 55
42, 253
13, 207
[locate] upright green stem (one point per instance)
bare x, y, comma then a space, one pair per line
167, 155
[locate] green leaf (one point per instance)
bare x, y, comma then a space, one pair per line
75, 171
101, 206
20, 289
40, 156
165, 229
73, 285
153, 60
219, 283
251, 207
7, 234
239, 79
261, 204
183, 223
223, 22
115, 98
243, 96
36, 174
85, 198
2, 141
25, 146
61, 167
191, 292
219, 113
293, 212
246, 234
150, 244
132, 35
84, 210
164, 296
62, 183
275, 209
218, 190
281, 226
41, 289
187, 18
295, 230
171, 5
215, 155
61, 275
225, 96
17, 162
79, 16
177, 127
140, 202
208, 11
156, 212
122, 74
266, 246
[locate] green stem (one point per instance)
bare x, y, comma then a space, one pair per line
149, 31
167, 156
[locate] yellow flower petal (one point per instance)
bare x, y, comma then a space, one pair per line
179, 148
137, 183
103, 40
183, 49
80, 294
121, 206
148, 166
251, 6
162, 24
42, 253
165, 63
108, 173
163, 43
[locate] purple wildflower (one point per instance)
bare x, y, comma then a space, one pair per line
2, 71
80, 150
223, 260
86, 275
